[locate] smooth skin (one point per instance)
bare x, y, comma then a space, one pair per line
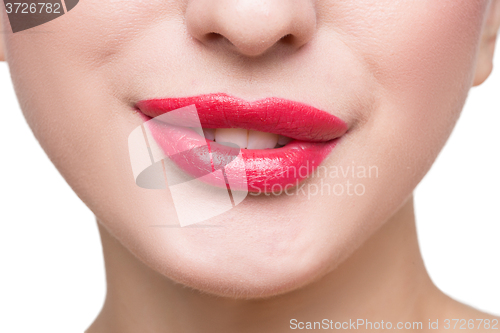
398, 73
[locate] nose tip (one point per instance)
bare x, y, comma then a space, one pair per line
251, 27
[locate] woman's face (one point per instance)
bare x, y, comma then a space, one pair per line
396, 72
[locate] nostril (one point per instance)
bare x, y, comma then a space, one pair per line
288, 39
212, 36
216, 38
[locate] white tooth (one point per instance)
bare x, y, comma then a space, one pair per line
283, 140
209, 133
261, 140
237, 136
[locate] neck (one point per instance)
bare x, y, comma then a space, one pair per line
385, 280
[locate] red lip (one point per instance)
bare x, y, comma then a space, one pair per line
315, 133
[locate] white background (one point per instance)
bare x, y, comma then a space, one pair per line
50, 253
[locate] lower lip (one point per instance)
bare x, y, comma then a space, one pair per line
267, 170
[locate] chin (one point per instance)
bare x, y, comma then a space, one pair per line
249, 276
239, 260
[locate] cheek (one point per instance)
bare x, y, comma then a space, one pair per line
422, 55
424, 58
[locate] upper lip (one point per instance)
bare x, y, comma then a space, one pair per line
274, 115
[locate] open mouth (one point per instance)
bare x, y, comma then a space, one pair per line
246, 139
275, 143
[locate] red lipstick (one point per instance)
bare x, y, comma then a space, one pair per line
314, 132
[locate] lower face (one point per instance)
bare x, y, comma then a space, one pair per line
396, 72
